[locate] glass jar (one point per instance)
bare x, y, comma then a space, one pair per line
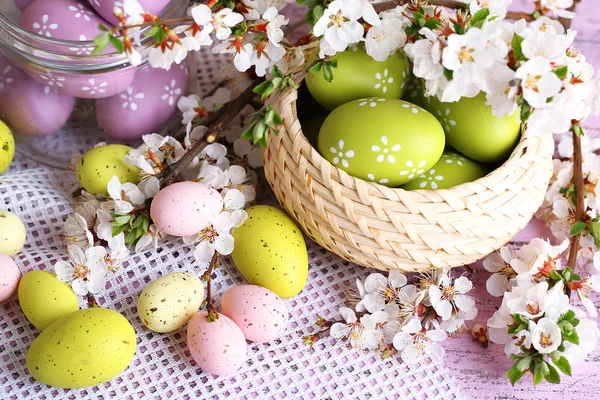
54, 92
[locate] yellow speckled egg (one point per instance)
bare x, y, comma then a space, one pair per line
44, 299
83, 349
12, 233
100, 164
7, 147
170, 301
270, 251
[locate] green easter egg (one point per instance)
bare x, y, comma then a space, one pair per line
100, 164
7, 147
270, 251
387, 141
452, 169
473, 130
83, 349
358, 75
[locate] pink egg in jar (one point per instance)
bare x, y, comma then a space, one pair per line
75, 21
105, 7
145, 106
28, 107
22, 4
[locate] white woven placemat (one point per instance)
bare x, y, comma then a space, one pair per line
162, 367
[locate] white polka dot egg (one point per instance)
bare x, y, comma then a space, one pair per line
387, 141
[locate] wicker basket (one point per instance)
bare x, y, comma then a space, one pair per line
385, 228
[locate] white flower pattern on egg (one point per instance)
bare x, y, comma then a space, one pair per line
172, 92
44, 28
381, 181
341, 155
130, 98
445, 120
454, 158
52, 82
372, 102
404, 76
94, 88
430, 179
385, 150
83, 50
413, 108
383, 80
5, 79
413, 170
80, 11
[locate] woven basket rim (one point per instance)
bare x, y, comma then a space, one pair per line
519, 152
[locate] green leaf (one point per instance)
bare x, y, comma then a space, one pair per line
122, 219
117, 43
448, 74
514, 375
328, 72
316, 68
538, 373
118, 229
524, 363
575, 277
101, 41
160, 36
572, 337
577, 228
479, 18
563, 365
561, 348
317, 12
525, 111
517, 46
552, 376
594, 231
412, 30
566, 327
578, 129
555, 276
568, 316
103, 28
432, 23
561, 72
458, 28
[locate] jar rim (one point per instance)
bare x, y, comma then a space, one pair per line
30, 47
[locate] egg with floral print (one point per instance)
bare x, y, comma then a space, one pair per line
145, 106
358, 75
387, 141
452, 169
473, 130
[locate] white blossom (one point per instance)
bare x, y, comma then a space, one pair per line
385, 39
545, 335
414, 342
215, 237
78, 233
539, 83
503, 275
220, 23
361, 334
86, 272
450, 297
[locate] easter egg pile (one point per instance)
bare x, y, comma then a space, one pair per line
130, 102
362, 123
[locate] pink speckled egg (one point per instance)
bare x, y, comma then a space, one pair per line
28, 107
61, 19
185, 208
105, 7
218, 347
9, 277
146, 106
259, 312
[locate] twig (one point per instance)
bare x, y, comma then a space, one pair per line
174, 21
91, 300
216, 123
579, 197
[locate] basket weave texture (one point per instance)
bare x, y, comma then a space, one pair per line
413, 231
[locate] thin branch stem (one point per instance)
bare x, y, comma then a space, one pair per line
216, 123
579, 197
214, 263
174, 21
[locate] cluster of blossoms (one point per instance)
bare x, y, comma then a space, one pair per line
412, 318
558, 209
106, 229
539, 327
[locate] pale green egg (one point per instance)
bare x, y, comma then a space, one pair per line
7, 147
473, 130
270, 251
83, 349
387, 141
358, 75
12, 233
100, 164
170, 301
452, 169
44, 299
